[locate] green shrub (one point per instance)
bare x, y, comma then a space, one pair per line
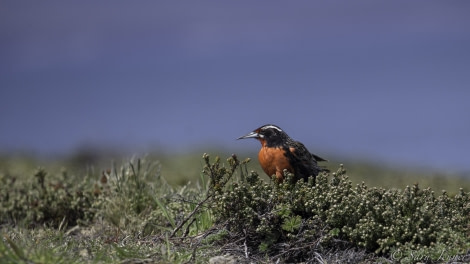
331, 213
131, 211
44, 199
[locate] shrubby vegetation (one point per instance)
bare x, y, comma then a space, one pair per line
130, 214
296, 221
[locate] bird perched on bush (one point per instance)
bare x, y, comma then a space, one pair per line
279, 152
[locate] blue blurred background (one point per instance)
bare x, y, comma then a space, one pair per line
385, 81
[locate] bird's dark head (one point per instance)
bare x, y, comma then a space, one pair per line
269, 135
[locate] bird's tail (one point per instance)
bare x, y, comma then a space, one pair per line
318, 158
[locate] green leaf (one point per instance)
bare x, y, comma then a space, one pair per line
292, 223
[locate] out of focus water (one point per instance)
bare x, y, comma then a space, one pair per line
384, 81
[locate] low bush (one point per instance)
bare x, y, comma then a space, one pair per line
52, 201
130, 213
300, 221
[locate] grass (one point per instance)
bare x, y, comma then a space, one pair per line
185, 209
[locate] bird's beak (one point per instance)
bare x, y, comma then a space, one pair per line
250, 135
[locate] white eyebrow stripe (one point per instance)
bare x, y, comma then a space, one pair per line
271, 126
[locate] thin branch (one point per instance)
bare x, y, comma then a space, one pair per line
196, 209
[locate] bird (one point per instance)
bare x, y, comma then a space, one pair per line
279, 152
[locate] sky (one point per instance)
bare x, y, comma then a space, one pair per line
385, 81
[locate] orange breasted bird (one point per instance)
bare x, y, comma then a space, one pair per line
279, 152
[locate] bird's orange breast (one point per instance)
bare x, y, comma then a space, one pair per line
274, 162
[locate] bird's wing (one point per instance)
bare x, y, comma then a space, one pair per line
304, 163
